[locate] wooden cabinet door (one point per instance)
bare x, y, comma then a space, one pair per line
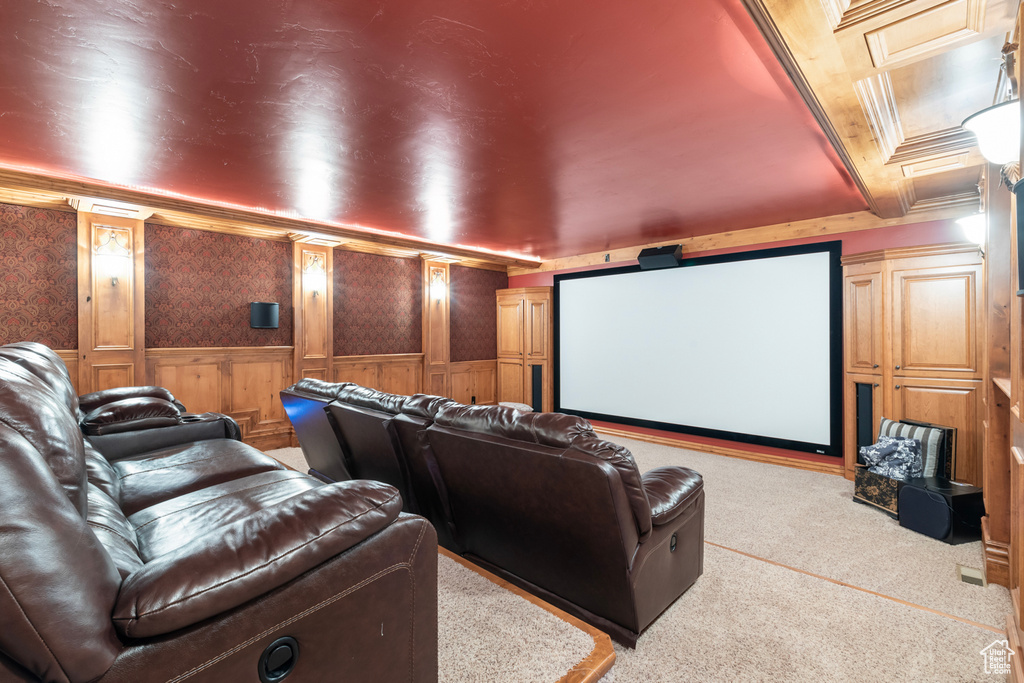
948, 402
850, 415
935, 321
538, 327
863, 317
510, 381
510, 327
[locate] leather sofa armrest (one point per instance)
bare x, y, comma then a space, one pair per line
670, 490
190, 429
131, 414
232, 565
89, 402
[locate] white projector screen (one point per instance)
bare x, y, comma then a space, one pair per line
745, 347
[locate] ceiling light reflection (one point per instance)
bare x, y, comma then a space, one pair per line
113, 149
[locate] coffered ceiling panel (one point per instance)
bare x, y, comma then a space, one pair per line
946, 87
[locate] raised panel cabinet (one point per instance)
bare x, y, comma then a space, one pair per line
912, 321
863, 317
935, 320
524, 342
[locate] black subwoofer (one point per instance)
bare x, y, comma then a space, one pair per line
937, 507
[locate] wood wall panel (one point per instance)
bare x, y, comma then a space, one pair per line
436, 332
400, 373
475, 382
197, 385
313, 303
70, 358
243, 382
112, 375
111, 301
955, 403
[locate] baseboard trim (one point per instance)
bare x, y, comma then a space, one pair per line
600, 659
808, 465
997, 557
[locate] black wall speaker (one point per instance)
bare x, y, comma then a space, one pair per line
263, 314
937, 507
660, 257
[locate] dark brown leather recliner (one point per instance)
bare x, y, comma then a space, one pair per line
540, 500
537, 498
377, 436
305, 402
199, 561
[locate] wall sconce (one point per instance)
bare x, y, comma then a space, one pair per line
314, 272
438, 286
998, 127
110, 247
998, 131
974, 227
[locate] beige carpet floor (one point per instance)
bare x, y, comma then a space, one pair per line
750, 620
808, 520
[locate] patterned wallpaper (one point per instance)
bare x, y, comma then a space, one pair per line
474, 319
377, 304
38, 276
199, 285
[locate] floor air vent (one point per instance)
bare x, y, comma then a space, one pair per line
970, 575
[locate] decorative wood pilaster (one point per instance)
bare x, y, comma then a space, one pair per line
313, 301
111, 302
436, 328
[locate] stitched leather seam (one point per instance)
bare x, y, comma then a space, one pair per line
256, 569
291, 620
412, 612
299, 475
33, 627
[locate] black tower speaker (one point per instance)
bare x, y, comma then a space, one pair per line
263, 314
865, 413
660, 257
538, 387
937, 507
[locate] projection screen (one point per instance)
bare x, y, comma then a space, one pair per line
745, 347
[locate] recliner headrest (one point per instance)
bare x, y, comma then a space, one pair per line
364, 397
548, 429
425, 405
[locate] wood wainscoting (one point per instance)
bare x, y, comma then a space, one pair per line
70, 358
395, 373
243, 382
402, 373
474, 381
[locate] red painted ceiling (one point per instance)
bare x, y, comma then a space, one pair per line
543, 127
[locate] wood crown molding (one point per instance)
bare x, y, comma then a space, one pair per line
879, 104
814, 227
776, 39
910, 252
940, 142
187, 213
